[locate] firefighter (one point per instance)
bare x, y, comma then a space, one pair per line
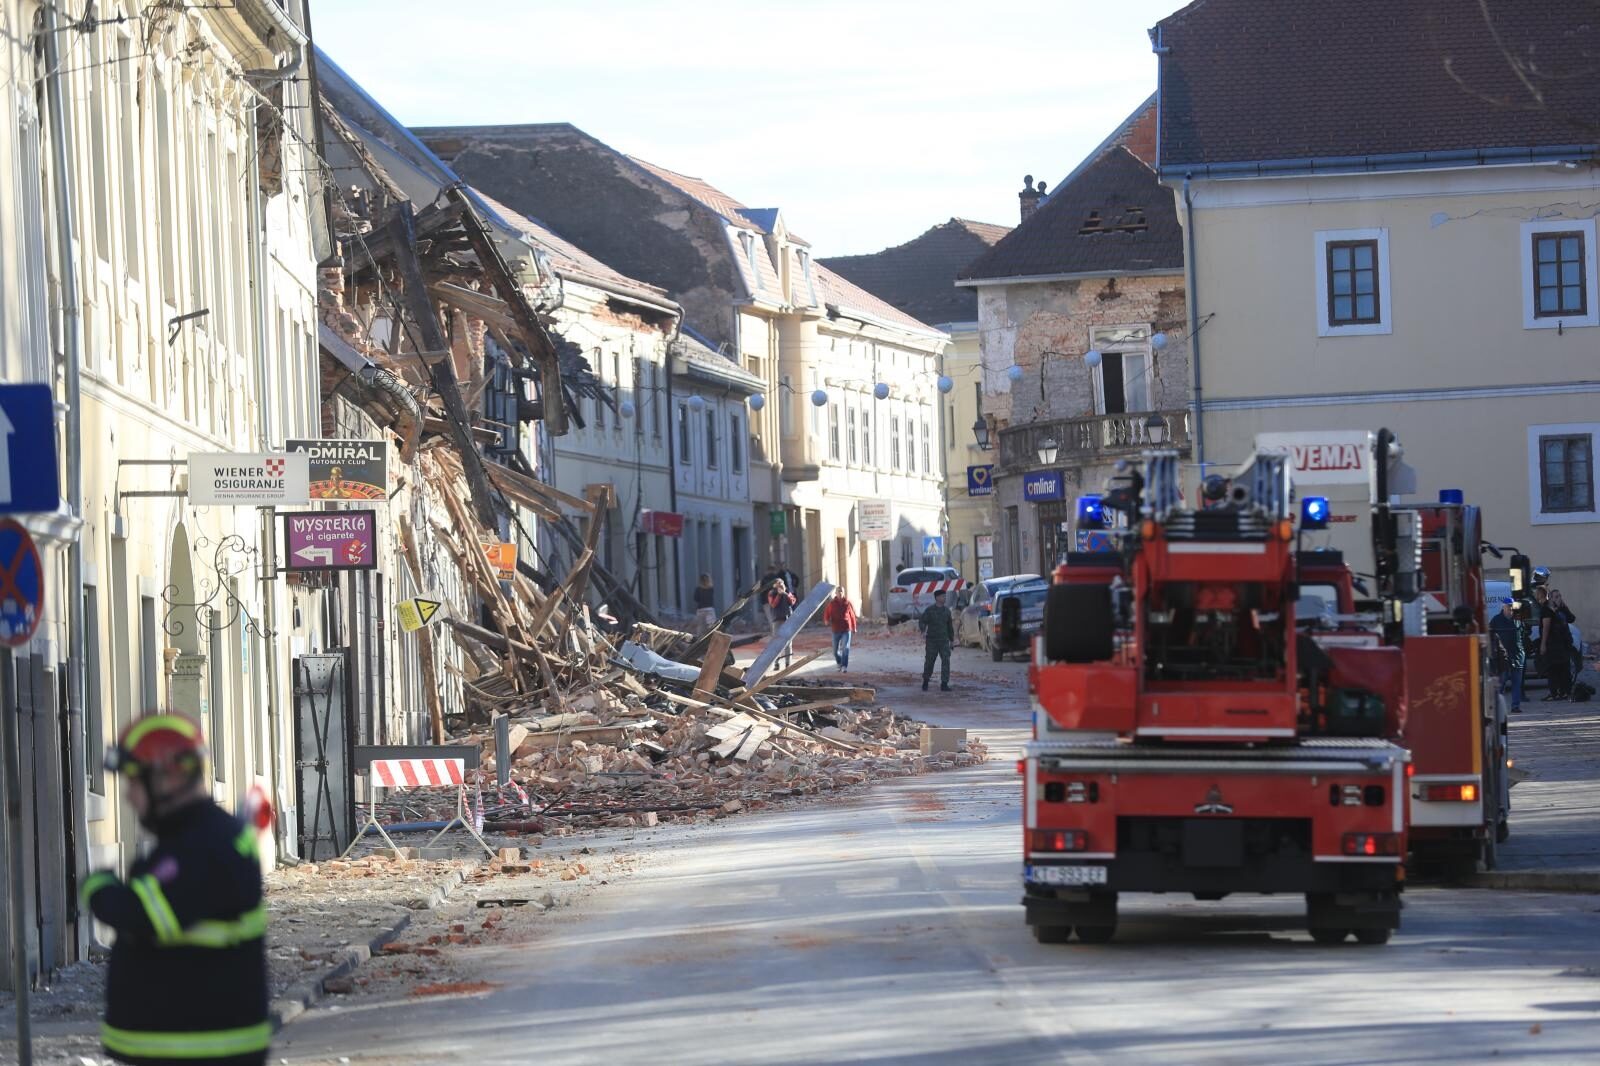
187, 981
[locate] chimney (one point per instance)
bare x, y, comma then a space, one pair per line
1030, 196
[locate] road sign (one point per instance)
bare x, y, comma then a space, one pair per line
1094, 540
502, 555
249, 479
875, 520
414, 614
330, 540
21, 585
980, 480
932, 545
346, 469
28, 479
778, 523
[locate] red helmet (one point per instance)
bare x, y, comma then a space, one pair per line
158, 741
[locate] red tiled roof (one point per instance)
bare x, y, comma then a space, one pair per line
1247, 81
833, 289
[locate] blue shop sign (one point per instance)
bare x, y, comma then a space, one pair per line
1046, 485
980, 480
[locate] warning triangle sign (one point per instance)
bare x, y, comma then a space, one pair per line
414, 614
426, 609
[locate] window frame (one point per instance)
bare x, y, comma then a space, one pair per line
1537, 435
1567, 440
1384, 324
1530, 232
1354, 295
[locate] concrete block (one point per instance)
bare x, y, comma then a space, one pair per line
936, 740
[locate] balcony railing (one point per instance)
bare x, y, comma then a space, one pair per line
1080, 440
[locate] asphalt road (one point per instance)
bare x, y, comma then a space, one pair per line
885, 927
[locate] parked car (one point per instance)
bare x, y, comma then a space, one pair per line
914, 587
1499, 590
1030, 619
978, 604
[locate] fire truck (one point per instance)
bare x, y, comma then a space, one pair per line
1460, 790
1191, 735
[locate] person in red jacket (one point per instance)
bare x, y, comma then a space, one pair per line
841, 618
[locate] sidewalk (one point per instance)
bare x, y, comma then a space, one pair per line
1555, 811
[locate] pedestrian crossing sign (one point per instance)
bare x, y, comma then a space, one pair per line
414, 614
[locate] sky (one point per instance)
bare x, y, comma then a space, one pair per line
865, 121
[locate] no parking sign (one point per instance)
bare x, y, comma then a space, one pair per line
21, 585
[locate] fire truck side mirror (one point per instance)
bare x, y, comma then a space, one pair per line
1521, 574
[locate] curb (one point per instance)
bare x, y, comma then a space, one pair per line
301, 997
1538, 880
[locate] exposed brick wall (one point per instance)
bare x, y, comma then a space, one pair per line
1019, 324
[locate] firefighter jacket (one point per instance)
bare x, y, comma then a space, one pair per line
187, 979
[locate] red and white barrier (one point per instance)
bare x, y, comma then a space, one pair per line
417, 773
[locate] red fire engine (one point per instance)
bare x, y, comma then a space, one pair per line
1191, 736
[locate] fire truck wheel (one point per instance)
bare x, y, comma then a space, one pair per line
1373, 936
1096, 934
1052, 934
1324, 935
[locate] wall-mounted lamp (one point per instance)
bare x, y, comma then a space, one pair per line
1048, 449
980, 433
1155, 429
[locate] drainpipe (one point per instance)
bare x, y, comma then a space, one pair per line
268, 530
72, 353
1192, 300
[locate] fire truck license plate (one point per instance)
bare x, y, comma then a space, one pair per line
1066, 875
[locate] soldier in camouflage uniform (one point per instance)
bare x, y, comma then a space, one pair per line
939, 633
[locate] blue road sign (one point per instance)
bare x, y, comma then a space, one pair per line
932, 545
1094, 540
28, 480
21, 585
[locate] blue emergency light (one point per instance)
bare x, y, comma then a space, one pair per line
1314, 512
1091, 513
1452, 496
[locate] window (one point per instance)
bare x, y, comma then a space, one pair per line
164, 189
1558, 274
1558, 282
93, 722
685, 440
1566, 473
894, 442
1122, 380
126, 76
927, 446
735, 445
216, 697
786, 407
1352, 275
851, 454
96, 106
950, 426
866, 438
833, 432
711, 439
911, 445
655, 401
149, 664
599, 395
638, 397
748, 239
1352, 283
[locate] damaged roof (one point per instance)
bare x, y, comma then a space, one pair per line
1112, 217
918, 277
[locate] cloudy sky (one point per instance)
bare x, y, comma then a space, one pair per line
866, 121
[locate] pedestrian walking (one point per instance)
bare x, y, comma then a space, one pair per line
939, 631
1508, 651
705, 606
780, 605
770, 577
187, 980
1555, 642
840, 614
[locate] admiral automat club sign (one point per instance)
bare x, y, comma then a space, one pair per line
346, 469
249, 479
1043, 486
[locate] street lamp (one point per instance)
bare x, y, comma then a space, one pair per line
1047, 451
1155, 429
980, 432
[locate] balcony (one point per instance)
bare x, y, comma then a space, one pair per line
1088, 440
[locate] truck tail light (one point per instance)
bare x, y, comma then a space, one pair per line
1060, 840
1451, 793
1372, 843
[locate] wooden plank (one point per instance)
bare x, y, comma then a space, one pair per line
732, 727
780, 675
731, 745
711, 667
759, 735
815, 705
